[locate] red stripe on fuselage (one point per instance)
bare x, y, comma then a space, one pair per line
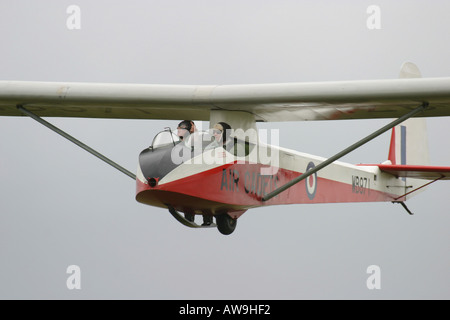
242, 186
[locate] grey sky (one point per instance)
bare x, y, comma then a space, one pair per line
61, 206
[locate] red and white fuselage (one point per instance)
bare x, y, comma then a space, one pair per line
217, 181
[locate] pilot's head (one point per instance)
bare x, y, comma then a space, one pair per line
185, 128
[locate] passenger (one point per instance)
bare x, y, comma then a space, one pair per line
221, 133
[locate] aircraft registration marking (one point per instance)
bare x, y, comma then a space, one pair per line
361, 185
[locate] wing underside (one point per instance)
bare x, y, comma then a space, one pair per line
265, 102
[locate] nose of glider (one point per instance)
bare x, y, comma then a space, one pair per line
155, 164
153, 182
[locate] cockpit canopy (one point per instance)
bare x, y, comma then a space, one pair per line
164, 139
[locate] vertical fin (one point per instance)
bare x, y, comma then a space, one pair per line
398, 147
391, 155
409, 140
409, 70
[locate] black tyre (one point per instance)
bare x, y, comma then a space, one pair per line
226, 224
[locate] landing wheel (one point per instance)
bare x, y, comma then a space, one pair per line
226, 224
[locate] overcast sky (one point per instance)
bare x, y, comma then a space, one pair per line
61, 206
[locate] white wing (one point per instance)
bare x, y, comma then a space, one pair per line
267, 102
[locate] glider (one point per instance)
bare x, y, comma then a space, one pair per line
195, 176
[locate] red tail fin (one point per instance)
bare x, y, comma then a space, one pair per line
391, 156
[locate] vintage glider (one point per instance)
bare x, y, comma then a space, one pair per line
196, 177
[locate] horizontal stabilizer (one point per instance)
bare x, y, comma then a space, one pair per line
416, 171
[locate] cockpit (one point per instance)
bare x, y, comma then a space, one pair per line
168, 151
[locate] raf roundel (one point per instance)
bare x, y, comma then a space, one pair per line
311, 182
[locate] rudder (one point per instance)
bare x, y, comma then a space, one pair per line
409, 143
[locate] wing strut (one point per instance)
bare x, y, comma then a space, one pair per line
77, 142
339, 155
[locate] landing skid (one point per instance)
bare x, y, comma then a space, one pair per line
187, 223
404, 206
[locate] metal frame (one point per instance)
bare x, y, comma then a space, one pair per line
75, 141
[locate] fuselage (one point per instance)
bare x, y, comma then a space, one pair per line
235, 178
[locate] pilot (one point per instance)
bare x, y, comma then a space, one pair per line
185, 128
